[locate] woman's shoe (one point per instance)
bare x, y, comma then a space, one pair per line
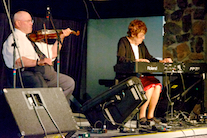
143, 121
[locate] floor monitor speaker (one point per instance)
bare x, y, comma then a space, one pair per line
39, 112
114, 107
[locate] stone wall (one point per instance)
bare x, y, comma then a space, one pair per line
185, 31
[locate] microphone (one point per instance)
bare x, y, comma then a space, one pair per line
48, 13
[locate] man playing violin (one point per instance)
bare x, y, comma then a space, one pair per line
38, 72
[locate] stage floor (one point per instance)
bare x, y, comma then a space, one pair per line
174, 129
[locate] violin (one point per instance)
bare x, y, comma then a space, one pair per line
41, 35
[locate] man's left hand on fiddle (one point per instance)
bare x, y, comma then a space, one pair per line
66, 32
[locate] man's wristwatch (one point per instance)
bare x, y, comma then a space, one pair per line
37, 63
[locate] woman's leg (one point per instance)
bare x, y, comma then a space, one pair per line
143, 108
153, 101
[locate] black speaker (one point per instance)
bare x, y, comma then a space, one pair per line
184, 92
188, 93
115, 106
38, 112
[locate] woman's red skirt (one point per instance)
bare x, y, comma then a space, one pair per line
149, 82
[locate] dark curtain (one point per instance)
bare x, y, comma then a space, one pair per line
72, 54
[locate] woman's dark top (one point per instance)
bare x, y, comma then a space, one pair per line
126, 54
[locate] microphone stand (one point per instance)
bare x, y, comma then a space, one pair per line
15, 44
58, 51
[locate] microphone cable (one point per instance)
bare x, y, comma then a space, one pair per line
53, 121
37, 114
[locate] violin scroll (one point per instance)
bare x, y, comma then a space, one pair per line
75, 33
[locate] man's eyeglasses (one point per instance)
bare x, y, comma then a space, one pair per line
28, 21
